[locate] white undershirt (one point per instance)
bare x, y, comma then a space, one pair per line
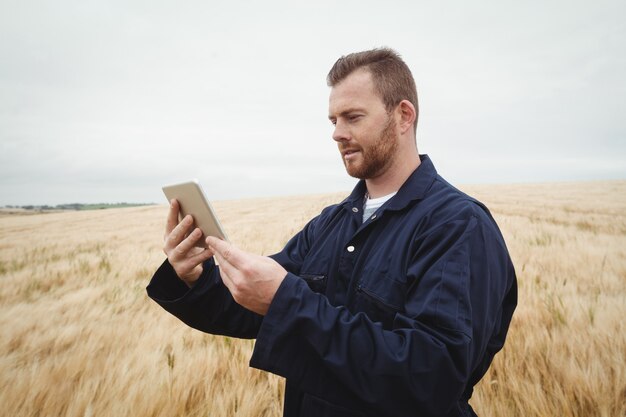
373, 204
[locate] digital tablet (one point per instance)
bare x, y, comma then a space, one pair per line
192, 201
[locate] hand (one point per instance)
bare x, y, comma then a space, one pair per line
251, 279
180, 246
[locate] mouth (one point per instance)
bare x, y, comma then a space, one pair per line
346, 153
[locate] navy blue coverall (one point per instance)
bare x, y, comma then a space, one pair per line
399, 315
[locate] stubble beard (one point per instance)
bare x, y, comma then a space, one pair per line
378, 157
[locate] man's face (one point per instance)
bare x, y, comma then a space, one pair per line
365, 133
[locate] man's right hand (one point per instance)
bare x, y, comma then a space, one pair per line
180, 246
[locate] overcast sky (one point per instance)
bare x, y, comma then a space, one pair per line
106, 101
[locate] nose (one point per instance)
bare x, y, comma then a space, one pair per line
340, 134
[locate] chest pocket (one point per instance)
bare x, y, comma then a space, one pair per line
380, 297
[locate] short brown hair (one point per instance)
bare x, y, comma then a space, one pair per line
392, 78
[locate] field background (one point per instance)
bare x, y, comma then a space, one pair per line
79, 337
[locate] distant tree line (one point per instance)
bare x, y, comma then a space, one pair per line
77, 206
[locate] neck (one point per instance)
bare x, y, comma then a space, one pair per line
393, 178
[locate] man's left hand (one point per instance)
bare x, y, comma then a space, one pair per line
251, 279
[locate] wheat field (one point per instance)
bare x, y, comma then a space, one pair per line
81, 338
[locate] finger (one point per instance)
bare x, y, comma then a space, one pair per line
223, 270
176, 236
225, 267
189, 242
201, 257
172, 217
185, 260
227, 251
191, 262
227, 272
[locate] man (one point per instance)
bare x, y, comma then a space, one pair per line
390, 303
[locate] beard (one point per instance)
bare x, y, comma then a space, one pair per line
376, 158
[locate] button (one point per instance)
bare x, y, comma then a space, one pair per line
354, 209
350, 249
373, 216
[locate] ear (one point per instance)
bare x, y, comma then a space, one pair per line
407, 115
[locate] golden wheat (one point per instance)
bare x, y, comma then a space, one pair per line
80, 337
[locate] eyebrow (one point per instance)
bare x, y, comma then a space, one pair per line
346, 112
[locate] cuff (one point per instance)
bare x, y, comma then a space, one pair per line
278, 325
166, 287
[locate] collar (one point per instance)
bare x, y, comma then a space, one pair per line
414, 188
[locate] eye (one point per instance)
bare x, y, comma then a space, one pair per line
354, 117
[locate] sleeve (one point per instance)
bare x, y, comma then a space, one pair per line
207, 306
424, 363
